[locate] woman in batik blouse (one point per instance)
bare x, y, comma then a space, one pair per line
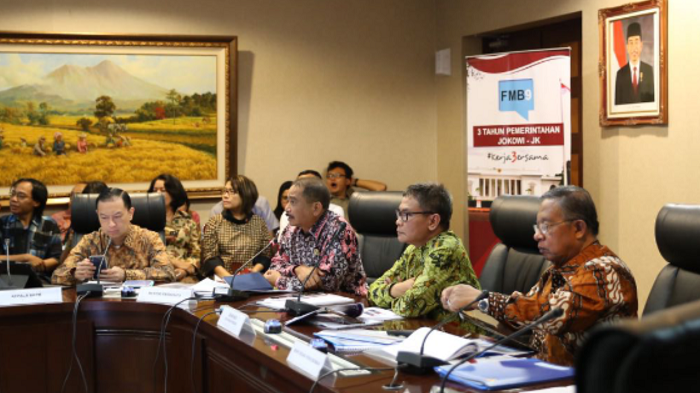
236, 236
182, 233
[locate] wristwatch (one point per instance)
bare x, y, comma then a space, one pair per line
484, 306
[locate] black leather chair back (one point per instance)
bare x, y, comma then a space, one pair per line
149, 213
515, 264
373, 216
678, 240
655, 354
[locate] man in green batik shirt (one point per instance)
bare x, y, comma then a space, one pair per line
434, 260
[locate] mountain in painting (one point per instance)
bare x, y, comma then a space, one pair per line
72, 87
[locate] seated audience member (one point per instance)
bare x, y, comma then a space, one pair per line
235, 236
62, 218
261, 208
132, 253
316, 236
434, 259
282, 196
340, 182
33, 238
586, 280
308, 173
182, 233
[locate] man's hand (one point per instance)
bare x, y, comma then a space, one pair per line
114, 274
457, 296
401, 288
302, 272
84, 270
272, 276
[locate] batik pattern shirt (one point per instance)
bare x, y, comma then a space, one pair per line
41, 238
593, 287
440, 263
332, 244
182, 236
142, 255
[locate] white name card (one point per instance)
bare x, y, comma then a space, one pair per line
31, 296
162, 295
234, 321
308, 360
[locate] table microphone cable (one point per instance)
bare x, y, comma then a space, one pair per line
194, 344
74, 352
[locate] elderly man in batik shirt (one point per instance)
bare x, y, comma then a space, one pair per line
316, 237
132, 253
434, 259
586, 280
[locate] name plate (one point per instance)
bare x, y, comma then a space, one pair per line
16, 297
162, 295
308, 360
234, 321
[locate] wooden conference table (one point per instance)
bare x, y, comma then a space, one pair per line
117, 341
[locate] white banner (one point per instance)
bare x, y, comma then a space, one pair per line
518, 113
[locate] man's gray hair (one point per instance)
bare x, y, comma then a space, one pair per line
576, 204
314, 190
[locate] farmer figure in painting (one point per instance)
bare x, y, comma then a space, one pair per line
82, 143
39, 148
2, 136
59, 145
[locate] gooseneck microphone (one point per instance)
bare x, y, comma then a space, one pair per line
417, 363
551, 314
7, 254
104, 259
230, 294
297, 307
95, 290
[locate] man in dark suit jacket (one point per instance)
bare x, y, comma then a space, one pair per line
635, 81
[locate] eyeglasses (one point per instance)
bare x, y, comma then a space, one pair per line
544, 227
334, 176
404, 216
19, 195
228, 191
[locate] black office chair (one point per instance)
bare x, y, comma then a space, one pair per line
678, 240
655, 354
149, 213
515, 264
373, 216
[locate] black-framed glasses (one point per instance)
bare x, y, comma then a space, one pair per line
334, 176
405, 215
228, 191
544, 228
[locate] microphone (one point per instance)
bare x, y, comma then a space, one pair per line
95, 290
231, 295
551, 314
417, 363
7, 253
297, 307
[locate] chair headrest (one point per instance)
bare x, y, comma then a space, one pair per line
149, 212
677, 235
512, 218
374, 212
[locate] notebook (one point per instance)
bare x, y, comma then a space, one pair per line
504, 372
249, 282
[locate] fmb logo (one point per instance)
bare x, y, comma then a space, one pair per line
516, 95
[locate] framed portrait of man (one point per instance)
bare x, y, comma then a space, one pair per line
633, 61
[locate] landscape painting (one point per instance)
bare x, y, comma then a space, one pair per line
122, 116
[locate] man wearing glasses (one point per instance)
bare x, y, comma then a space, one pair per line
586, 280
341, 184
26, 234
434, 259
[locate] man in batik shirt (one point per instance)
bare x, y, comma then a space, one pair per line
132, 253
586, 280
316, 237
434, 259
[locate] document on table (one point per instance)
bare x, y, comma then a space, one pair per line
317, 299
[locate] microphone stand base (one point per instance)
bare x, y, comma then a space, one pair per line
229, 295
295, 307
94, 289
415, 363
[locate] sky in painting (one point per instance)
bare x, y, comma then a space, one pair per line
186, 74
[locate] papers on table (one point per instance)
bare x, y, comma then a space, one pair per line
357, 340
503, 372
316, 299
370, 316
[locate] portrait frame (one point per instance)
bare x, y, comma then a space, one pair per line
642, 100
222, 54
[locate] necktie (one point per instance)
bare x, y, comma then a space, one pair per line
634, 80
